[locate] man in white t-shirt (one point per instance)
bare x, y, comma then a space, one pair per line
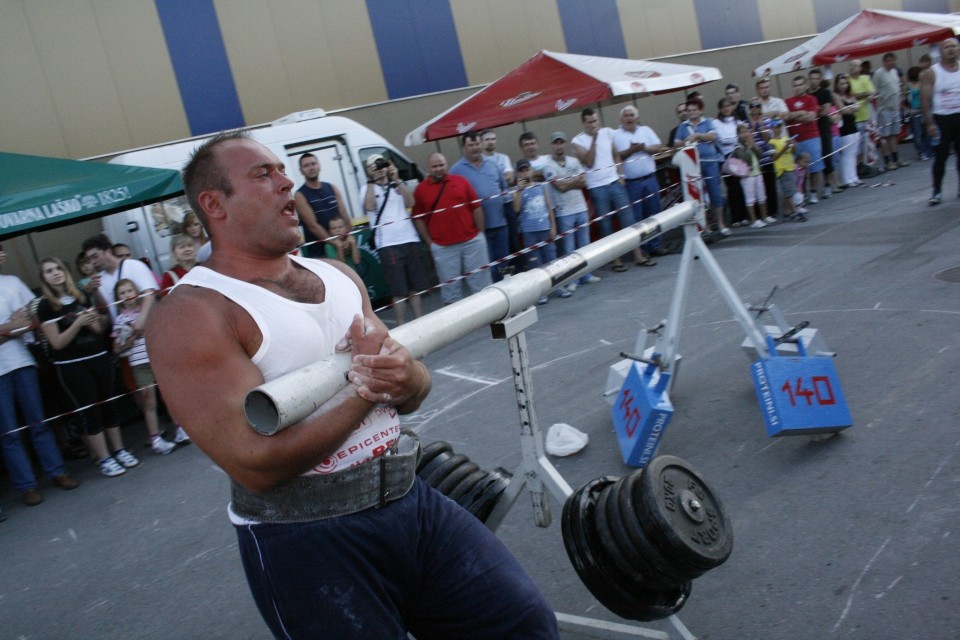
111, 270
488, 139
594, 149
635, 144
385, 200
566, 178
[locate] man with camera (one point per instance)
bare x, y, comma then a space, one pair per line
386, 200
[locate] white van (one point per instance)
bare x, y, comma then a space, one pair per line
340, 144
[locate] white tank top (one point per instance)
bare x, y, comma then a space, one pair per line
296, 334
946, 91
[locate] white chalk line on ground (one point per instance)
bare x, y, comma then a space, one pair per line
422, 420
856, 584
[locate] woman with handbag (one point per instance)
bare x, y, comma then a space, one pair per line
726, 124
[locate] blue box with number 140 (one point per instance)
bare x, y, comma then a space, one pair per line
799, 395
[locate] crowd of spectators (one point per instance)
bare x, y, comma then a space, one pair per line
763, 160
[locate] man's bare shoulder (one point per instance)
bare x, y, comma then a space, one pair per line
194, 313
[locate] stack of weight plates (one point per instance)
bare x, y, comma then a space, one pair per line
453, 475
637, 542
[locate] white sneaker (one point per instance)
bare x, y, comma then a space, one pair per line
544, 300
563, 292
161, 446
827, 192
181, 437
812, 199
769, 219
590, 279
725, 231
572, 287
126, 458
759, 224
802, 210
111, 468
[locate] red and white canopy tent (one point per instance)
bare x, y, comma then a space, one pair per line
867, 33
552, 83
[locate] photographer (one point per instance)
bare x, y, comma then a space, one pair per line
386, 200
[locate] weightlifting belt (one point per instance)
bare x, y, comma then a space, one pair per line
317, 497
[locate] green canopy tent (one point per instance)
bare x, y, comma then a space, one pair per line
41, 193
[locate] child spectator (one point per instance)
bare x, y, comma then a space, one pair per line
131, 345
88, 282
184, 251
784, 166
802, 162
754, 193
346, 250
536, 220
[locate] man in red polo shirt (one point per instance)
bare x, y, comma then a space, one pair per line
804, 126
449, 218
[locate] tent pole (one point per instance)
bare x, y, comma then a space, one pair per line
33, 249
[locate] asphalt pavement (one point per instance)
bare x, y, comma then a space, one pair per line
850, 537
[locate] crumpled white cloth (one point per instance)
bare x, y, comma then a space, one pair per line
564, 440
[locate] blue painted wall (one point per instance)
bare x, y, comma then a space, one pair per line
418, 46
200, 64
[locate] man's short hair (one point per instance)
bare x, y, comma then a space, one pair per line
586, 113
101, 242
925, 58
629, 107
732, 85
889, 55
203, 173
469, 136
527, 135
483, 134
305, 156
696, 102
815, 70
802, 78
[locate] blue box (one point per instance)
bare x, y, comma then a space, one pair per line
641, 413
800, 395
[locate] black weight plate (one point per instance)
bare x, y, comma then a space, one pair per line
575, 520
467, 485
434, 464
475, 495
656, 605
614, 561
680, 513
632, 599
455, 477
611, 551
491, 496
431, 451
443, 469
672, 571
608, 513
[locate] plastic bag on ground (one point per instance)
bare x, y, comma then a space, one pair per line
564, 440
